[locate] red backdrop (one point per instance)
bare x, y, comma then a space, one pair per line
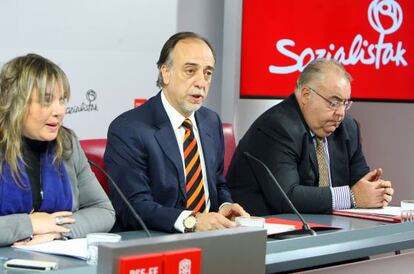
373, 39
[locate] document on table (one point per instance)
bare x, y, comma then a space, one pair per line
75, 248
388, 210
387, 214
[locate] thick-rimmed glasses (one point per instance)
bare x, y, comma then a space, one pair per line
334, 103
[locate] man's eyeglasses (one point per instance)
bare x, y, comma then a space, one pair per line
335, 103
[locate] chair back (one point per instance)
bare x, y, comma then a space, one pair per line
94, 150
229, 145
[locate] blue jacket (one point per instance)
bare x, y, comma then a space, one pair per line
143, 157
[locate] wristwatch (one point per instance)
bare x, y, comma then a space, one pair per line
190, 223
353, 199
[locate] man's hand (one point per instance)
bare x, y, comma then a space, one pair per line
373, 175
371, 191
223, 219
389, 191
231, 211
211, 221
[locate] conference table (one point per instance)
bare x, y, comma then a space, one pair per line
356, 239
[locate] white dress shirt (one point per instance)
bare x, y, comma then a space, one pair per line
177, 120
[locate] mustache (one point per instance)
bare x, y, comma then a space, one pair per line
198, 92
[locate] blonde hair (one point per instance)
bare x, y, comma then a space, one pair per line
19, 78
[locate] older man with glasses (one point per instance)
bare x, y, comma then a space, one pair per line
313, 149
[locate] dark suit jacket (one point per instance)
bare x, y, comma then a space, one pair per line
281, 138
143, 157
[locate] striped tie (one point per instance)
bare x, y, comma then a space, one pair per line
322, 165
194, 185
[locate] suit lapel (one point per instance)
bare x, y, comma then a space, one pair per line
207, 142
165, 137
312, 156
310, 146
338, 154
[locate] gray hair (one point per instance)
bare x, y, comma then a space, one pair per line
315, 70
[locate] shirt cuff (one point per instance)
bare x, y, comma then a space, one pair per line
223, 204
341, 198
178, 225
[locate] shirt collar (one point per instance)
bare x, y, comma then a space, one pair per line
175, 117
313, 136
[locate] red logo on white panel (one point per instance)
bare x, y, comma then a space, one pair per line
139, 102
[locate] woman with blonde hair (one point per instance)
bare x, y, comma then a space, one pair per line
47, 189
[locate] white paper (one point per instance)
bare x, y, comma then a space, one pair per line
277, 228
75, 248
389, 210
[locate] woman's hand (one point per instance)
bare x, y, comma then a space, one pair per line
43, 223
38, 239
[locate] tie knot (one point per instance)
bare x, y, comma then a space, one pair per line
187, 124
319, 140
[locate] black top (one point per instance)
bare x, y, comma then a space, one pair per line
31, 156
281, 138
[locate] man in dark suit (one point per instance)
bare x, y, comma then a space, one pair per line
311, 147
167, 155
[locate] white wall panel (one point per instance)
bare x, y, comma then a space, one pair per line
109, 46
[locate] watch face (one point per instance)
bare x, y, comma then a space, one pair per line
190, 222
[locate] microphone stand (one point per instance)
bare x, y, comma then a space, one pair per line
306, 230
118, 190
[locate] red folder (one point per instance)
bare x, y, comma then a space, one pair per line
368, 216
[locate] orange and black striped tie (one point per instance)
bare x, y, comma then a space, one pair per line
194, 186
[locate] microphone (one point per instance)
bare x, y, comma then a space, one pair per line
305, 226
118, 190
